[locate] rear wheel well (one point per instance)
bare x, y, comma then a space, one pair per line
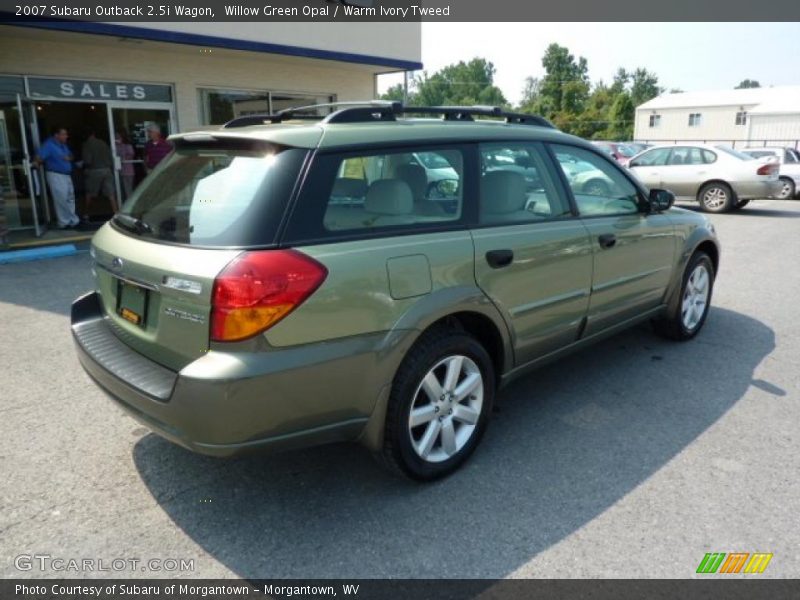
717, 181
483, 329
713, 252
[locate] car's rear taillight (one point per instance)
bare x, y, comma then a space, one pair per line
767, 169
258, 289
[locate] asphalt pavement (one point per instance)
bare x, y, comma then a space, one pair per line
632, 458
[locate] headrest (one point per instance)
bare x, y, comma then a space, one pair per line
349, 187
415, 176
502, 192
389, 197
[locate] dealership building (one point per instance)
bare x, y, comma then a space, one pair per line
123, 78
740, 117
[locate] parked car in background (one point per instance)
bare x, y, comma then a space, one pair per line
621, 152
277, 286
789, 161
638, 147
718, 178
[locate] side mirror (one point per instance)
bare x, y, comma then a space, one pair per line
661, 200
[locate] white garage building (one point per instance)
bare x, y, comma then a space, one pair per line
756, 116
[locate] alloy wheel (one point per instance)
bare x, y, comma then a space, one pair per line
715, 197
446, 408
695, 297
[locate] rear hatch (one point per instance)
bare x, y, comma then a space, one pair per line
156, 261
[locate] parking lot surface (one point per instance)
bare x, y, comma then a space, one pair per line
630, 459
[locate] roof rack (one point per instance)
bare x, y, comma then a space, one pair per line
378, 110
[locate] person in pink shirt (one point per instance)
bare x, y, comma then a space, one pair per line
126, 156
156, 148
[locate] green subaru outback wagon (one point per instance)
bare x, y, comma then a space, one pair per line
374, 275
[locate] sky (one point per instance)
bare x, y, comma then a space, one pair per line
688, 56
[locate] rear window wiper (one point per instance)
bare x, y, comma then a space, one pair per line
133, 224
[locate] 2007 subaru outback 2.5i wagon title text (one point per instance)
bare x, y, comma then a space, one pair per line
374, 275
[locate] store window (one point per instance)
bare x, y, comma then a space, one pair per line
222, 105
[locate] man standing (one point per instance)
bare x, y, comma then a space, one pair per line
57, 160
156, 148
97, 165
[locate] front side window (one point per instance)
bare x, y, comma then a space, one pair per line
599, 188
515, 185
652, 158
695, 119
394, 189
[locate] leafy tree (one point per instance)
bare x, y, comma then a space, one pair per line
620, 116
530, 92
644, 86
565, 86
396, 93
460, 84
747, 83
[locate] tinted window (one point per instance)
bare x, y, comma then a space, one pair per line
515, 185
602, 190
215, 195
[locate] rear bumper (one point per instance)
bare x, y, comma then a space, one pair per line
751, 190
228, 403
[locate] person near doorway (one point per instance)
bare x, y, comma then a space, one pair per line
57, 159
156, 147
126, 156
98, 164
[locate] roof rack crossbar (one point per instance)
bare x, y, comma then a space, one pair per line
379, 110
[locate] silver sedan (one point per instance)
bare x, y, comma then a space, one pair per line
718, 178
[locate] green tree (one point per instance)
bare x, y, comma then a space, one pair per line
396, 93
459, 84
644, 86
565, 87
747, 83
620, 117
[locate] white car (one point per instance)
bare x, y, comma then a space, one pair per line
789, 161
717, 177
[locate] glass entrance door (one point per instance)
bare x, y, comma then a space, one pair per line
23, 202
130, 129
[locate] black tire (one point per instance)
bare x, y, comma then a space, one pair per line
716, 197
788, 190
672, 324
432, 348
741, 204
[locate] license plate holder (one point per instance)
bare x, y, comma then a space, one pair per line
132, 301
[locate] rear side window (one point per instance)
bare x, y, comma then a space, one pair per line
516, 186
365, 193
215, 195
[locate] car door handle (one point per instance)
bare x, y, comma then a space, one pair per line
607, 240
498, 259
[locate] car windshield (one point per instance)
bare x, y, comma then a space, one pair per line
735, 153
214, 196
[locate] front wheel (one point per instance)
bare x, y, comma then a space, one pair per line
439, 406
716, 197
687, 316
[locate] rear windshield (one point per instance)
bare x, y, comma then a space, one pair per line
215, 195
735, 153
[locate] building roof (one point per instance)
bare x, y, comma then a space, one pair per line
769, 100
